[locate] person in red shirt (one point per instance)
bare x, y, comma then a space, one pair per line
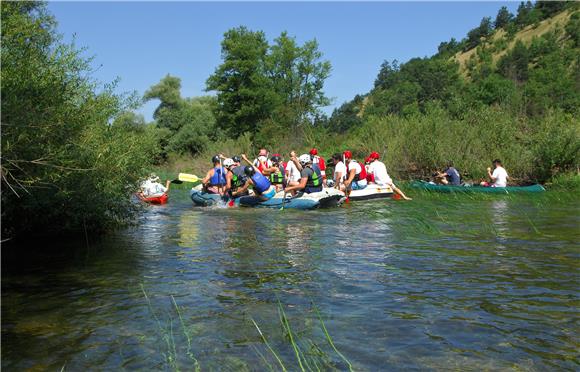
320, 162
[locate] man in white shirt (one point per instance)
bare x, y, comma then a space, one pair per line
339, 171
499, 176
292, 171
381, 177
262, 162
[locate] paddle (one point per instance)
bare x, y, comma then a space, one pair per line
346, 190
283, 201
185, 177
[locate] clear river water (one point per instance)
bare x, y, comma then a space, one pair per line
484, 282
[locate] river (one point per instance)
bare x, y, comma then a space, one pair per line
442, 282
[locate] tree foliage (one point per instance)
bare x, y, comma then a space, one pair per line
64, 167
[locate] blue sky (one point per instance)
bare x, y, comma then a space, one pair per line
141, 42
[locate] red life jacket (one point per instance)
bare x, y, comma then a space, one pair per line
360, 176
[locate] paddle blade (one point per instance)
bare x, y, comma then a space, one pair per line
185, 177
177, 182
231, 203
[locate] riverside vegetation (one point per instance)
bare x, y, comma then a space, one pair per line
73, 151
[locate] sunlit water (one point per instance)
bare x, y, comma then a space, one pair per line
439, 283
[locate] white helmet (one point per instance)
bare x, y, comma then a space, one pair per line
304, 159
228, 162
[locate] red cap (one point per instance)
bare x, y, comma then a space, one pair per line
276, 155
313, 152
347, 154
374, 155
368, 159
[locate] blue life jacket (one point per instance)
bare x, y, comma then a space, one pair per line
219, 177
261, 183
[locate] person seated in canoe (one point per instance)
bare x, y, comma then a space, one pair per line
151, 187
499, 176
214, 181
260, 184
380, 176
339, 171
319, 161
310, 176
450, 176
235, 177
276, 173
356, 175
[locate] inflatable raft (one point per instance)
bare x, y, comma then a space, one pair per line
326, 198
492, 190
372, 191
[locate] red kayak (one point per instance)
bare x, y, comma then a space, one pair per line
162, 199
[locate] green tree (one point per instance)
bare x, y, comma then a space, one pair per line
245, 95
503, 18
63, 167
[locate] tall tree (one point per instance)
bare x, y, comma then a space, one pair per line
503, 18
245, 96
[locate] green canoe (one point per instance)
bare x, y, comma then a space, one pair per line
493, 190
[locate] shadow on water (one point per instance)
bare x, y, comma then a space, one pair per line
443, 281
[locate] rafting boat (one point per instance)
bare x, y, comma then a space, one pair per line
205, 199
159, 199
372, 191
326, 198
467, 188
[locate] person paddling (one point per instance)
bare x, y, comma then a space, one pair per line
152, 188
276, 173
339, 171
214, 181
235, 178
380, 176
319, 161
310, 177
499, 176
261, 185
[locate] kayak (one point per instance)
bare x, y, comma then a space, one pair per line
372, 191
159, 199
492, 190
326, 198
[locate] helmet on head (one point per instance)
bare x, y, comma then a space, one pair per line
276, 158
347, 154
249, 170
374, 155
304, 159
236, 159
215, 159
228, 162
313, 152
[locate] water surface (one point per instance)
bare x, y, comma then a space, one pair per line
471, 283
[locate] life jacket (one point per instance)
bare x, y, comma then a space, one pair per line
277, 177
219, 177
261, 183
359, 176
239, 178
320, 162
314, 182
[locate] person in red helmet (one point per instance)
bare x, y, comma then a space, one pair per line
380, 176
356, 174
318, 160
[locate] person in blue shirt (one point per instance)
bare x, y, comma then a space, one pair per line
260, 184
214, 181
450, 176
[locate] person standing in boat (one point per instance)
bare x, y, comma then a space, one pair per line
310, 177
380, 176
261, 162
499, 176
356, 175
214, 181
450, 176
292, 172
235, 178
319, 161
260, 184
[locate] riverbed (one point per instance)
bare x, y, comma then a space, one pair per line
441, 282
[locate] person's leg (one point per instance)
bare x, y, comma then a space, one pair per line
399, 192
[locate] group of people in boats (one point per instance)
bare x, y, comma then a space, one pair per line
451, 176
306, 173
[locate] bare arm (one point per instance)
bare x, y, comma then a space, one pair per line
300, 186
205, 180
242, 189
